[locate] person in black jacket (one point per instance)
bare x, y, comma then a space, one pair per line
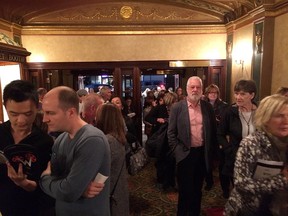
19, 194
212, 95
191, 136
235, 124
165, 164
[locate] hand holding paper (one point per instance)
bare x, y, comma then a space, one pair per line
95, 187
100, 178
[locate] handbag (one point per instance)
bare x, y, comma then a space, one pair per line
153, 145
136, 159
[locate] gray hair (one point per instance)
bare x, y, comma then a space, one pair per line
195, 77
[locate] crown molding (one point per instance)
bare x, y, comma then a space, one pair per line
124, 30
265, 10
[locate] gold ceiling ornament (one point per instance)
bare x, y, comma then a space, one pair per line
126, 12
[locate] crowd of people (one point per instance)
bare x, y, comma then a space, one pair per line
80, 139
197, 129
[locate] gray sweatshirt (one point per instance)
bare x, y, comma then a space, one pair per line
74, 164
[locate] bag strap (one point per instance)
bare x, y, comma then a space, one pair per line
112, 192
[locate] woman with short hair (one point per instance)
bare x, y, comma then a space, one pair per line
235, 124
212, 95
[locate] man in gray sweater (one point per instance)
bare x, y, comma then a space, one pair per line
78, 155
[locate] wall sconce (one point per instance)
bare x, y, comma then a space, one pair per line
240, 62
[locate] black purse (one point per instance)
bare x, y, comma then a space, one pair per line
154, 143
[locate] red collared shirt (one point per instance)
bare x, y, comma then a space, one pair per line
196, 124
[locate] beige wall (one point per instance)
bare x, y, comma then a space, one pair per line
280, 59
242, 51
61, 48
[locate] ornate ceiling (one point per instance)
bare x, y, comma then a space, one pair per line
114, 12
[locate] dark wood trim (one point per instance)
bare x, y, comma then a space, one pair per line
267, 58
97, 65
10, 53
109, 65
137, 101
117, 69
1, 107
117, 80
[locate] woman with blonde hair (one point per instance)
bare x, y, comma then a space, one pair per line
109, 119
266, 194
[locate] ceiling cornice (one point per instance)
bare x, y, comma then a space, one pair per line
124, 30
27, 13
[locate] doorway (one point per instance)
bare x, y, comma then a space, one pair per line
14, 74
129, 78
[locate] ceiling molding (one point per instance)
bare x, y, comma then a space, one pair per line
125, 14
115, 17
124, 30
265, 10
222, 11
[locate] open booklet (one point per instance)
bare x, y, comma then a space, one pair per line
266, 169
24, 154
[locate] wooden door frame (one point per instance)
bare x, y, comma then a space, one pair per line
222, 84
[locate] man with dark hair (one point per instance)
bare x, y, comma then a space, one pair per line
19, 194
78, 155
41, 93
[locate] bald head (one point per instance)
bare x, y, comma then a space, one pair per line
61, 110
64, 96
90, 105
92, 99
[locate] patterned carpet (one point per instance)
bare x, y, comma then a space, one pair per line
147, 199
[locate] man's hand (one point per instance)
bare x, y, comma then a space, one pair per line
161, 120
47, 171
19, 178
93, 189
